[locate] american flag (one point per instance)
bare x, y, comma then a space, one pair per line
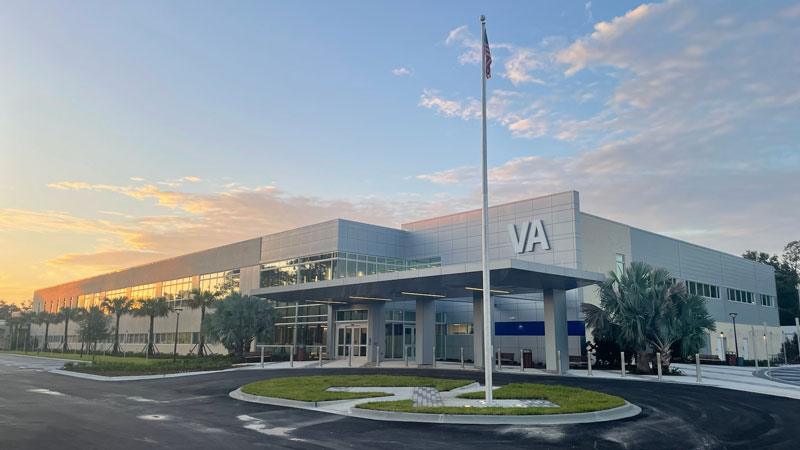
488, 55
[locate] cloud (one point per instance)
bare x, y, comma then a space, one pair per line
192, 179
137, 179
449, 108
520, 64
690, 130
402, 71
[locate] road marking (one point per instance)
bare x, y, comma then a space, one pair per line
145, 400
45, 391
251, 423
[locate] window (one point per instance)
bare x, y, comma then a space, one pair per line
620, 264
702, 289
355, 314
143, 291
736, 295
459, 328
176, 291
222, 282
767, 300
328, 266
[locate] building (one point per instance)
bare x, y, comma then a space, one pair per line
344, 287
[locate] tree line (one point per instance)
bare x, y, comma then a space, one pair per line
787, 278
236, 320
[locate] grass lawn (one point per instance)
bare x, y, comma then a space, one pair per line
77, 356
569, 399
313, 389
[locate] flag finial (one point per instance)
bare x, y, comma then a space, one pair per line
483, 18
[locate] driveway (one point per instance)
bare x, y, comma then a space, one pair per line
44, 410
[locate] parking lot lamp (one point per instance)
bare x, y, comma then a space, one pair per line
175, 345
735, 342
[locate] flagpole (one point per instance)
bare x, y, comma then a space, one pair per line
488, 357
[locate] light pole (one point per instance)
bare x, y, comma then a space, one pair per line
175, 345
735, 342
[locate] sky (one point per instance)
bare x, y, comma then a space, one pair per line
135, 131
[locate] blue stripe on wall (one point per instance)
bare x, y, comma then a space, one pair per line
574, 328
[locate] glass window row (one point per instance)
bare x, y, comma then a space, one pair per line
702, 289
328, 266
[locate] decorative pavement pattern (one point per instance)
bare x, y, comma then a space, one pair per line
426, 396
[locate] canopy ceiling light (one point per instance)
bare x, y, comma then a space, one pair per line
357, 297
493, 291
423, 294
331, 302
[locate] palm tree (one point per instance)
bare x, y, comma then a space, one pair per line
644, 310
117, 306
152, 308
44, 317
13, 325
202, 299
66, 314
27, 318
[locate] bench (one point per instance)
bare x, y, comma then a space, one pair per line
256, 356
507, 358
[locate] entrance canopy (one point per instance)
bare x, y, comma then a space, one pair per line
510, 276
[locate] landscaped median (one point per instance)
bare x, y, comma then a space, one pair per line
315, 389
568, 400
150, 366
444, 400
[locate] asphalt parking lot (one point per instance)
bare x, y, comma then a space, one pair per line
44, 410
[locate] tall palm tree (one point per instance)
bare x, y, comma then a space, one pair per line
44, 317
152, 308
13, 323
66, 314
117, 306
203, 300
27, 319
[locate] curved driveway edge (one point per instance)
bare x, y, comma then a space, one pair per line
621, 412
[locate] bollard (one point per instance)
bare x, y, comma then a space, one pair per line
589, 364
434, 356
462, 357
378, 355
350, 357
125, 354
558, 361
521, 362
499, 361
405, 354
622, 357
658, 361
291, 358
697, 367
320, 356
262, 357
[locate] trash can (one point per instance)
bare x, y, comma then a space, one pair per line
301, 354
740, 361
731, 359
527, 358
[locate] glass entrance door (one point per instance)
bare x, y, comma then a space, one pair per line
351, 337
410, 339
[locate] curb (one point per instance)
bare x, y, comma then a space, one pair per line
621, 412
313, 406
89, 376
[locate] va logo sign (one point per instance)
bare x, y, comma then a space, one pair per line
532, 233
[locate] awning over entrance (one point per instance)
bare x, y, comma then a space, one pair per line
511, 276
